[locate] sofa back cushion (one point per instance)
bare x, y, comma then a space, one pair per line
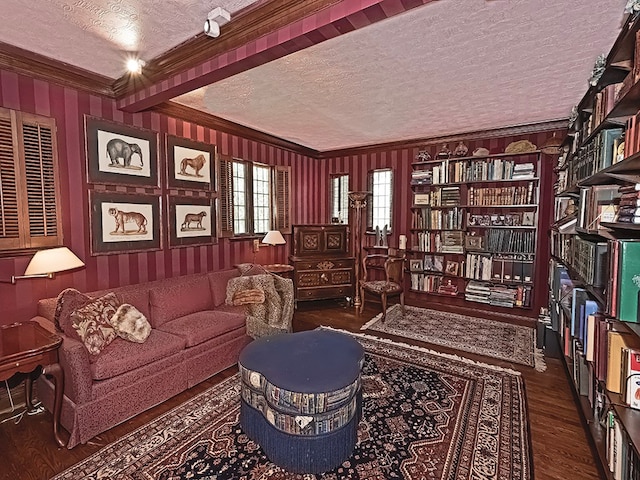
136, 295
179, 296
218, 281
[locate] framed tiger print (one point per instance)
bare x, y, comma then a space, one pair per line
124, 223
192, 221
190, 164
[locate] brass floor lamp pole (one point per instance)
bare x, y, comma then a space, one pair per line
357, 201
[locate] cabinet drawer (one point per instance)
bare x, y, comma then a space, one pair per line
321, 278
321, 293
323, 264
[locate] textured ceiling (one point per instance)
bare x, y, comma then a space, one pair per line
444, 68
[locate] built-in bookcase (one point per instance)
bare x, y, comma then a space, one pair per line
474, 228
594, 281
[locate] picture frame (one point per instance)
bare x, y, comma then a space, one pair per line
451, 268
438, 263
428, 263
474, 242
191, 165
124, 223
528, 219
415, 265
120, 154
192, 221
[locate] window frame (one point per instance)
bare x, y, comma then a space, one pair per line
333, 178
371, 201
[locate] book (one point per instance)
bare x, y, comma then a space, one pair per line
628, 291
631, 374
579, 296
617, 342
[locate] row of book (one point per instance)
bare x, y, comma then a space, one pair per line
498, 295
433, 284
461, 171
514, 195
490, 268
629, 204
510, 241
590, 259
428, 219
598, 154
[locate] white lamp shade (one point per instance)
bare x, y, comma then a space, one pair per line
274, 237
53, 260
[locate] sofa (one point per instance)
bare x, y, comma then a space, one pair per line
194, 334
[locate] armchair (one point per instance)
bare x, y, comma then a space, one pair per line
392, 285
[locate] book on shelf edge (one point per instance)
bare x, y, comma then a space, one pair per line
617, 342
631, 375
628, 281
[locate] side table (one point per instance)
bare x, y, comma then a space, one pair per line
282, 269
24, 347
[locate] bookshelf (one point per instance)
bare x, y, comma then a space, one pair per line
474, 228
594, 274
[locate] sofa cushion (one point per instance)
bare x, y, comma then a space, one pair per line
179, 297
91, 322
199, 327
136, 295
130, 324
218, 281
68, 300
123, 356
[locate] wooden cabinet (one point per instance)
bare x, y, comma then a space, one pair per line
323, 267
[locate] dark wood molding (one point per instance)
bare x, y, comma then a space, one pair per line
248, 25
524, 129
32, 64
198, 117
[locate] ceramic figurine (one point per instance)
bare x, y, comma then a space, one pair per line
423, 156
461, 150
384, 236
444, 151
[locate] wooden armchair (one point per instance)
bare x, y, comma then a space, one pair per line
392, 285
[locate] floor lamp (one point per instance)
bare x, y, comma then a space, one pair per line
357, 201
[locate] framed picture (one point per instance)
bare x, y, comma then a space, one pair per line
438, 263
474, 242
415, 264
190, 164
120, 154
528, 219
428, 263
124, 223
451, 268
192, 221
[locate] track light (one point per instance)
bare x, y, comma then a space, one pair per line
216, 18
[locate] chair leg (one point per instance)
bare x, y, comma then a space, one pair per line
384, 306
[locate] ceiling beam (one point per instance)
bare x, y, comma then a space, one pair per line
294, 29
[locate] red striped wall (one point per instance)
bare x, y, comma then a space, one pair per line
68, 107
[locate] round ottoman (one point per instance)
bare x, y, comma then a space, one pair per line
301, 398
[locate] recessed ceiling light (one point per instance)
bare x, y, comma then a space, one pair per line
134, 65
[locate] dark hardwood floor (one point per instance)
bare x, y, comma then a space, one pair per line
560, 446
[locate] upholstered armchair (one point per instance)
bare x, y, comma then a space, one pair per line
391, 286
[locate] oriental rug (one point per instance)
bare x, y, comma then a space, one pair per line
501, 340
425, 416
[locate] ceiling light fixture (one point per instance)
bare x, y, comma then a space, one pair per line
216, 18
134, 65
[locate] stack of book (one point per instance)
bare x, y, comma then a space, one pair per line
629, 206
452, 242
523, 171
502, 296
421, 177
477, 292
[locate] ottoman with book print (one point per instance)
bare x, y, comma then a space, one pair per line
302, 399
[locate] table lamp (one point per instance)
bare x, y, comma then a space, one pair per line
46, 263
274, 237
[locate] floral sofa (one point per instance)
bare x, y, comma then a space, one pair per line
194, 334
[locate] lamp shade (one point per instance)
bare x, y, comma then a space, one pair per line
53, 260
274, 237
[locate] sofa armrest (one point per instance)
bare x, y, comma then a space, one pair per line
74, 360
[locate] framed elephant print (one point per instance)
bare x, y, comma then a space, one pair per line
192, 221
190, 164
124, 223
120, 154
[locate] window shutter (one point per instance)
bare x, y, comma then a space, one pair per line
370, 201
282, 200
226, 197
9, 214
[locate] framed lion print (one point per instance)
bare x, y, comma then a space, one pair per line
120, 154
192, 221
190, 164
124, 223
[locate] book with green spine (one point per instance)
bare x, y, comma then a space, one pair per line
629, 280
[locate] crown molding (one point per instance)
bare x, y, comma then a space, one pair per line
245, 26
204, 119
21, 61
523, 129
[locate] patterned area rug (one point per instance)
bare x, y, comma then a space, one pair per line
425, 416
505, 341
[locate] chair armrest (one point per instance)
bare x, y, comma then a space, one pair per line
74, 360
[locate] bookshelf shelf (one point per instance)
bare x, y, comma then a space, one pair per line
508, 227
504, 180
622, 226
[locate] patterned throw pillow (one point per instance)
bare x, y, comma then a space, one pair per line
68, 301
130, 324
91, 322
248, 297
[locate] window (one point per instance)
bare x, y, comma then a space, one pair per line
380, 206
254, 198
28, 182
340, 198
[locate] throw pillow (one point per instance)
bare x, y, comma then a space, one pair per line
68, 301
248, 297
91, 322
130, 324
250, 269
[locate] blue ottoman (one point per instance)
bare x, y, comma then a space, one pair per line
302, 399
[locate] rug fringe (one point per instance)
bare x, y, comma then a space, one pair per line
426, 350
538, 360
